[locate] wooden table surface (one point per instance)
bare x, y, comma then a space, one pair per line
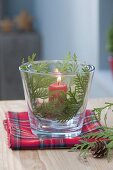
59, 159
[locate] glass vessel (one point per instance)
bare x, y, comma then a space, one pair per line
56, 94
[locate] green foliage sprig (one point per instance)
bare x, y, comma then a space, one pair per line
98, 111
37, 88
42, 67
69, 64
106, 134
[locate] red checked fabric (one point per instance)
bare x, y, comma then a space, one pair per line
20, 135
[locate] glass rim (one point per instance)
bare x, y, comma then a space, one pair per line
91, 68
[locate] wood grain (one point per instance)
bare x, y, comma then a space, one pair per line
45, 159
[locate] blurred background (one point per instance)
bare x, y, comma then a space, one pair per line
52, 28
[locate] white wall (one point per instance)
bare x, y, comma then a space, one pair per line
86, 30
68, 25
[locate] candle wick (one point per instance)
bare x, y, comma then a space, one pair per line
58, 83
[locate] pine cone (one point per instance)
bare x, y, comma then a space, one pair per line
99, 149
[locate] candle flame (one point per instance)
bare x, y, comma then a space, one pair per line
56, 70
58, 76
59, 79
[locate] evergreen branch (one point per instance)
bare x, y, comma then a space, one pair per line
70, 103
69, 64
90, 139
98, 111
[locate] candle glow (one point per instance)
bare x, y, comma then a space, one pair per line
58, 76
56, 88
56, 70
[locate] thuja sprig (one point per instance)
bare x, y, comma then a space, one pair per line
37, 85
69, 64
98, 111
42, 67
106, 134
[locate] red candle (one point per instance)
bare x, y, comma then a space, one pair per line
56, 89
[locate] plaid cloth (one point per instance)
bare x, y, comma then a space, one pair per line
20, 136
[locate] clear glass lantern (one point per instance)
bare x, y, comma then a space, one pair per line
56, 94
